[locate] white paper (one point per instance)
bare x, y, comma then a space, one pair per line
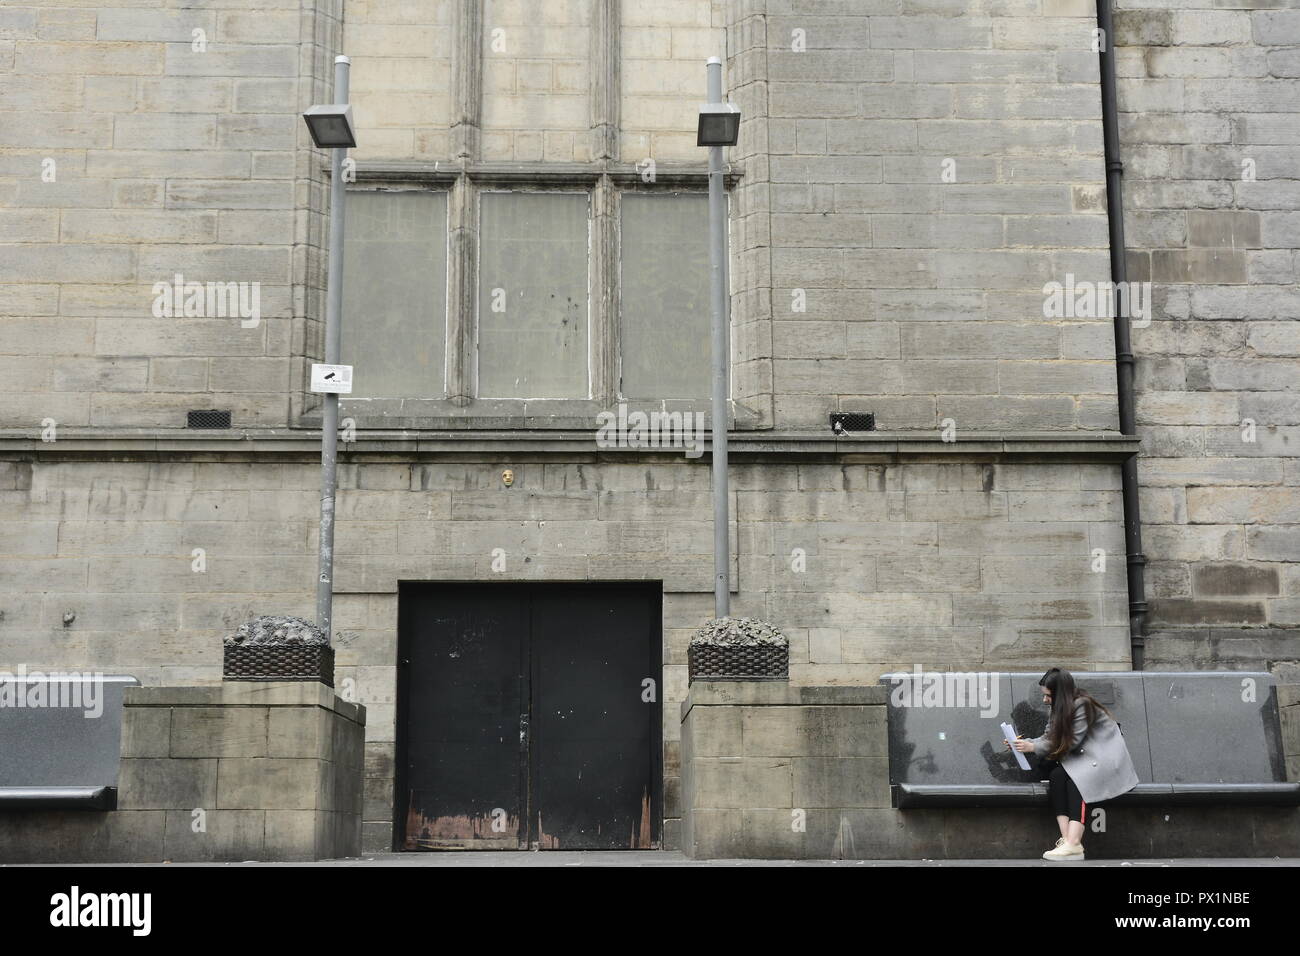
1009, 732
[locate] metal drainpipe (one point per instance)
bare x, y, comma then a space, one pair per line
1137, 596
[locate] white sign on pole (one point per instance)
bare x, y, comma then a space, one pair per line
334, 379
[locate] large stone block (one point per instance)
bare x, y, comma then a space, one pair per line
785, 834
292, 835
126, 59
1176, 612
219, 732
209, 834
886, 834
835, 782
711, 834
270, 783
839, 732
736, 782
716, 731
1235, 580
73, 836
1277, 27
171, 783
146, 732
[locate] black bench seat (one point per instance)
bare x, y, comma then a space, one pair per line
1199, 738
61, 757
911, 796
58, 798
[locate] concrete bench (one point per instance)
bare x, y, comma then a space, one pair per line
60, 740
1202, 738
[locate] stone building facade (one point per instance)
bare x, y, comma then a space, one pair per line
911, 175
1209, 97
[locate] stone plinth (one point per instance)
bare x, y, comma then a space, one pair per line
769, 769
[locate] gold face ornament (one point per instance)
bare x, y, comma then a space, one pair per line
508, 477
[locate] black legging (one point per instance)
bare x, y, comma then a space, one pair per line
1064, 795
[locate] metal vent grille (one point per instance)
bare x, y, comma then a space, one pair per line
848, 423
207, 418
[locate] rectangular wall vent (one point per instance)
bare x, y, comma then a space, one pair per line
849, 423
207, 418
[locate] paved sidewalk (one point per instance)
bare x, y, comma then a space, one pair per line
591, 858
674, 858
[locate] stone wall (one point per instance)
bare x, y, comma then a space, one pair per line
138, 144
401, 77
866, 566
915, 173
1209, 96
912, 176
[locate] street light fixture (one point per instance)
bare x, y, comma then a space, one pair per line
719, 126
331, 128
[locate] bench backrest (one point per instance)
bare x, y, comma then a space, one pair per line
61, 731
1214, 727
1181, 727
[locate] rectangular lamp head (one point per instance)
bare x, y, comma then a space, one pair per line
331, 126
719, 125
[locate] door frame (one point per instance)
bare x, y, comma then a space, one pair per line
405, 630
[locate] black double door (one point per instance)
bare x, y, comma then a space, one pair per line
528, 716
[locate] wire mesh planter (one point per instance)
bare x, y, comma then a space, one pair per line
273, 648
729, 662
738, 649
303, 662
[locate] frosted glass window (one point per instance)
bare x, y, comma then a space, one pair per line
394, 321
664, 294
532, 295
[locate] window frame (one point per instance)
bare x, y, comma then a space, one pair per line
617, 309
460, 406
474, 328
373, 186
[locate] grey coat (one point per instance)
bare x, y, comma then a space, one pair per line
1099, 764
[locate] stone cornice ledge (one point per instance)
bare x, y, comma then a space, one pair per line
273, 442
376, 172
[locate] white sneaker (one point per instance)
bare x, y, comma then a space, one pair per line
1064, 851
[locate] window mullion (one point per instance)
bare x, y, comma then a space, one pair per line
604, 291
467, 77
604, 66
462, 257
462, 207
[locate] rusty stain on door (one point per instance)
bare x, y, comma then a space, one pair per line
642, 838
485, 831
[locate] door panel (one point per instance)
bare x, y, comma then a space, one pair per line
592, 730
523, 718
465, 767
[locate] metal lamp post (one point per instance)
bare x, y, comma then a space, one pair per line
719, 126
331, 128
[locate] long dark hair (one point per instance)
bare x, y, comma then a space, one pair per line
1065, 696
